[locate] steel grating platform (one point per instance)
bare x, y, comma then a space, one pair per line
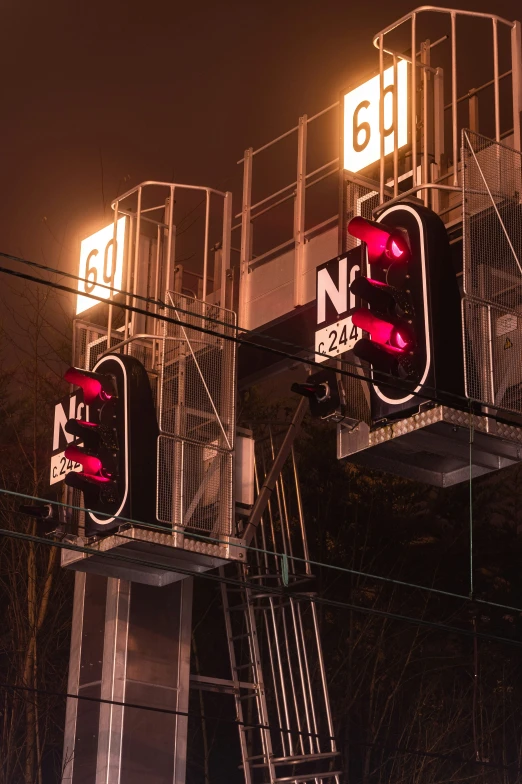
150, 557
433, 446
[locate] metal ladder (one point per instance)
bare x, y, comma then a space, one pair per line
276, 666
247, 675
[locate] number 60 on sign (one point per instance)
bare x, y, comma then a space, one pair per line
336, 339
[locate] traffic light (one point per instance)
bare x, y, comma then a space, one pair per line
412, 316
116, 446
325, 395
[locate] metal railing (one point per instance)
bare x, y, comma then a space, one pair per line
161, 217
295, 190
425, 67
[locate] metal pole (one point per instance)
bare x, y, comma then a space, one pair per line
136, 258
111, 293
205, 252
438, 132
170, 230
454, 127
299, 497
495, 80
425, 59
473, 112
225, 246
413, 101
395, 95
381, 119
269, 483
246, 229
323, 676
157, 272
516, 71
299, 210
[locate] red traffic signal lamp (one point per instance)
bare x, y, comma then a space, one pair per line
412, 313
383, 244
116, 446
324, 393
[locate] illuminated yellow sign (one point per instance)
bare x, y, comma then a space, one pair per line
101, 262
362, 145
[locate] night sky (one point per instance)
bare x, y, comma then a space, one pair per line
98, 96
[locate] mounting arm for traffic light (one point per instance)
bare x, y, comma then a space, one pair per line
325, 395
412, 313
116, 447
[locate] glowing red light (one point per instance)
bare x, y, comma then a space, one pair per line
401, 339
379, 329
401, 343
92, 388
91, 465
397, 248
372, 234
381, 241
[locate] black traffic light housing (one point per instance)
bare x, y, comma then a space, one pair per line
412, 317
116, 446
325, 395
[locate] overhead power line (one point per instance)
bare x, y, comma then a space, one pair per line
167, 711
429, 393
254, 725
264, 590
263, 551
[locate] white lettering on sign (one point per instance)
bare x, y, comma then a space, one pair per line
71, 407
60, 467
61, 417
338, 294
353, 272
336, 339
101, 262
362, 145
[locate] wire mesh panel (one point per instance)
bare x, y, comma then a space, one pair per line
197, 417
198, 373
194, 486
492, 306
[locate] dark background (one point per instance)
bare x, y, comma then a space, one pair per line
99, 96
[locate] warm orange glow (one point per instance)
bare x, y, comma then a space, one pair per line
100, 265
361, 119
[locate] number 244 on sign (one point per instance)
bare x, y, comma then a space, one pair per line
336, 339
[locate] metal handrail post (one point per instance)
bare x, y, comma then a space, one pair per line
381, 121
111, 283
205, 250
246, 229
454, 128
299, 210
225, 247
395, 95
425, 60
496, 80
516, 70
413, 100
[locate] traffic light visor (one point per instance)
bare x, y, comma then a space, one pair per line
383, 243
94, 385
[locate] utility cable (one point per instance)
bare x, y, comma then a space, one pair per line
264, 590
392, 381
253, 725
167, 711
251, 548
